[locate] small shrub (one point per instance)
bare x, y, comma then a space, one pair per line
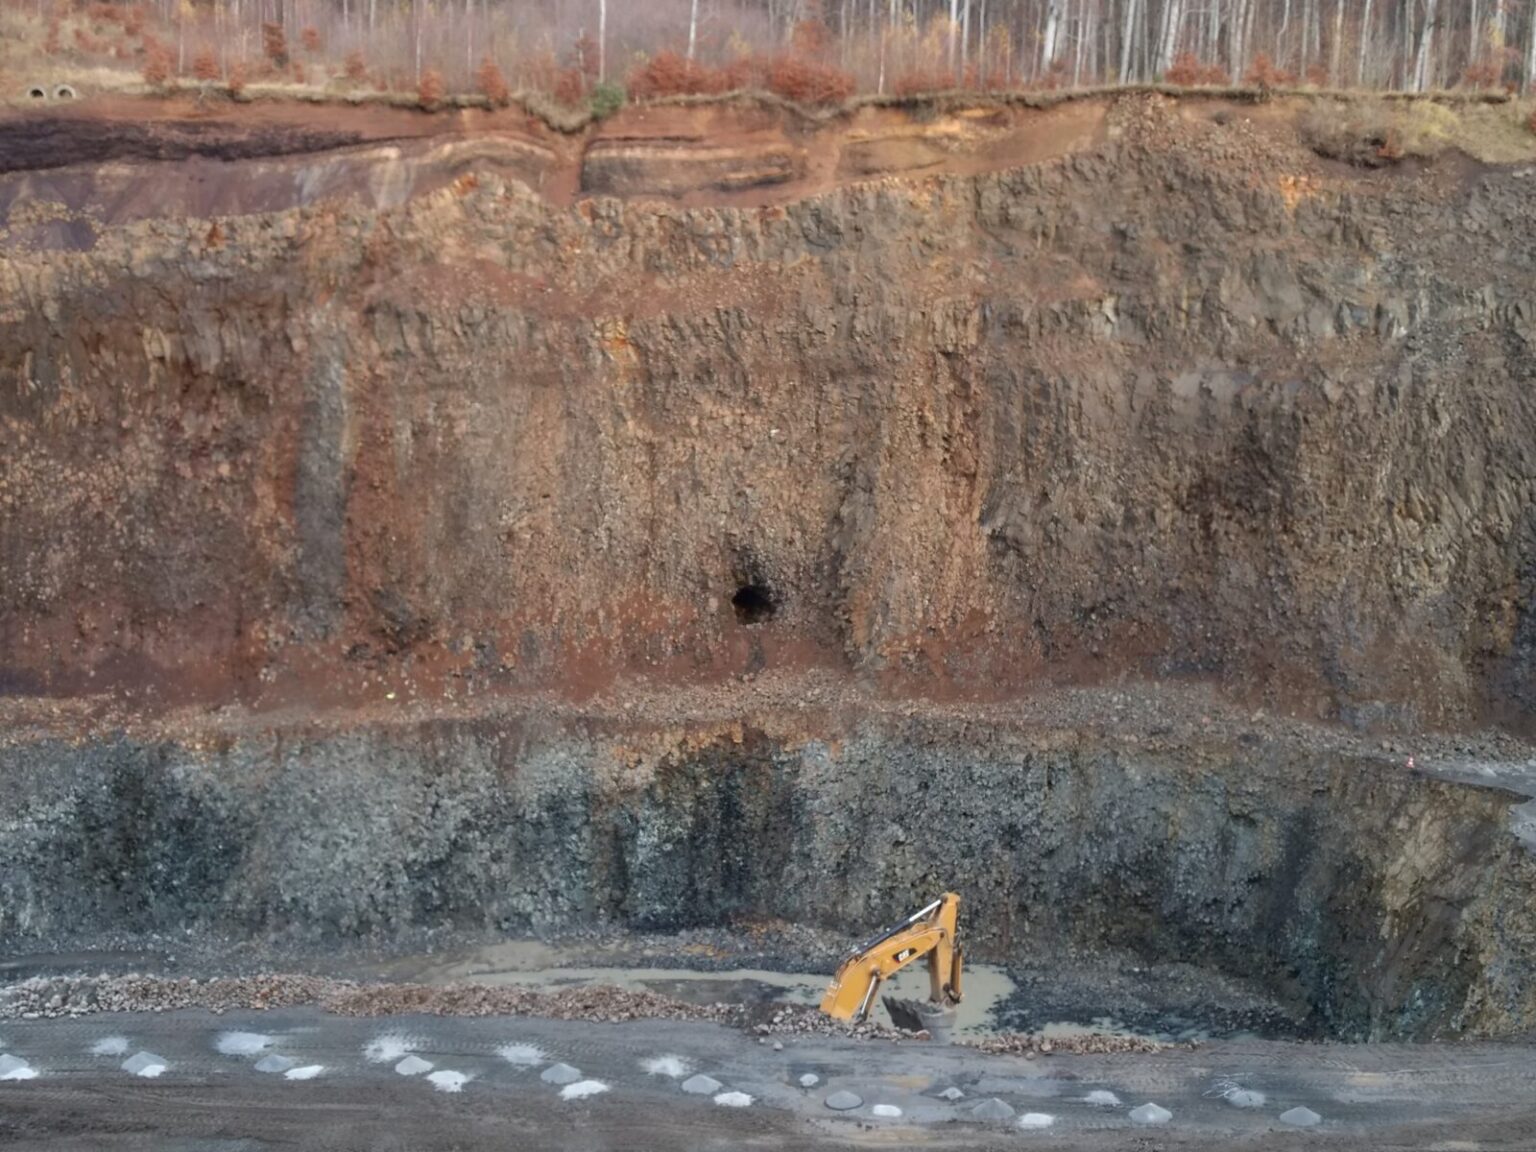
807, 82
672, 74
53, 45
1486, 74
274, 44
356, 67
588, 57
88, 43
104, 14
297, 73
570, 87
607, 98
1187, 72
205, 65
237, 78
1184, 69
429, 89
1263, 73
133, 20
310, 38
157, 66
1317, 76
492, 84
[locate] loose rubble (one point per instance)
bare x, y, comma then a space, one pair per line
68, 996
1097, 1044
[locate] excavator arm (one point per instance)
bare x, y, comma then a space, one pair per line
931, 932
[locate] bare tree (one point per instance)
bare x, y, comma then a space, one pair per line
1052, 32
1172, 32
1423, 63
1365, 44
693, 28
1530, 54
1128, 39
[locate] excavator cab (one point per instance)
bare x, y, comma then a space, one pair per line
932, 932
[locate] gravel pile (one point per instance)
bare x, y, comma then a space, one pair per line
803, 1020
1029, 1046
51, 997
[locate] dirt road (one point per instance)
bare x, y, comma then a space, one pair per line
339, 1084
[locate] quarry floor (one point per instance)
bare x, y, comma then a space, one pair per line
1379, 1096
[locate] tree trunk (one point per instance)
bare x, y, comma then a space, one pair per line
1424, 63
1365, 45
965, 34
602, 40
693, 28
1530, 57
954, 23
1173, 30
1052, 32
1237, 47
1128, 40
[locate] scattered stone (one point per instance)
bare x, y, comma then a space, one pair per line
843, 1101
15, 1068
272, 1062
582, 1089
1302, 1117
145, 1064
993, 1111
673, 1067
308, 1072
778, 1045
521, 1055
809, 1080
413, 1066
560, 1074
242, 1043
1036, 1120
733, 1100
1102, 1098
1027, 1045
1150, 1113
1245, 1098
886, 1111
952, 1094
110, 1046
448, 1081
702, 1085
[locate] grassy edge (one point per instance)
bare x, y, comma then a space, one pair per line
569, 121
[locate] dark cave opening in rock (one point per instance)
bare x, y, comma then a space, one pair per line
754, 604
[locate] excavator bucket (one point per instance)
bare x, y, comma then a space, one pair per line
905, 1014
921, 1016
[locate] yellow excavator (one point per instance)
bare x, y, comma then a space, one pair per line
933, 932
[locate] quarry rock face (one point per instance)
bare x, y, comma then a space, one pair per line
338, 485
1175, 399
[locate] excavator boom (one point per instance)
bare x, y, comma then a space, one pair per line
931, 932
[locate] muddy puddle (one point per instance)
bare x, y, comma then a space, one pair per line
988, 987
